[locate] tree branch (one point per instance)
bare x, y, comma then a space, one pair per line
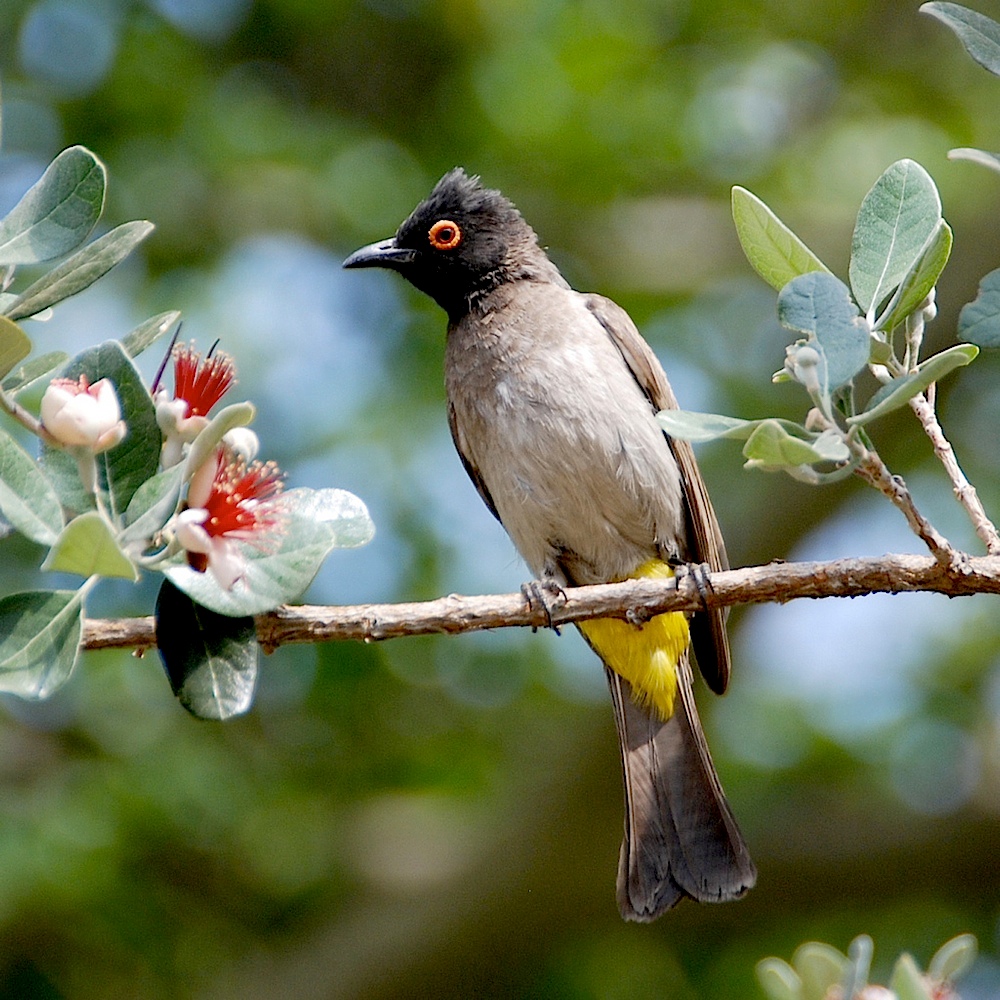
774, 582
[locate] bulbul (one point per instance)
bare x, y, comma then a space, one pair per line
552, 396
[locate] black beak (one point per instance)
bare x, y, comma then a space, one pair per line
382, 254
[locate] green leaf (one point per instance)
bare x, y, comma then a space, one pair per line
14, 345
27, 499
820, 304
774, 251
39, 640
953, 959
771, 447
151, 506
899, 391
211, 660
906, 982
979, 320
281, 566
210, 437
920, 279
33, 371
87, 546
980, 156
147, 333
58, 212
79, 271
820, 967
979, 34
691, 426
779, 980
897, 217
124, 468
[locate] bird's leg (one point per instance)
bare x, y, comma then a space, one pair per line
545, 594
699, 572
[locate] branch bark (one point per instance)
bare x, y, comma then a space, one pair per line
774, 582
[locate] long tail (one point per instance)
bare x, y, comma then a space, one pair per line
680, 836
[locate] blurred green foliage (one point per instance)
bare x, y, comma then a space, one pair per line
441, 818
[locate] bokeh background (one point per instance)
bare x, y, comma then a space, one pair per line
441, 818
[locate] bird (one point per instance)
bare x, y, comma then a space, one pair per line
552, 401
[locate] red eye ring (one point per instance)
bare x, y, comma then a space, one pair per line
445, 235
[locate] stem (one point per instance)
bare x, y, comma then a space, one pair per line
26, 419
964, 491
774, 582
874, 472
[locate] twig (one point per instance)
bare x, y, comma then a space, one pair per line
775, 582
875, 472
965, 492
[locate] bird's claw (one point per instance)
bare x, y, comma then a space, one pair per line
700, 574
545, 595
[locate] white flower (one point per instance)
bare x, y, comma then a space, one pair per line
221, 555
80, 415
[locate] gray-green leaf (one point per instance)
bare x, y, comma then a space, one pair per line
772, 249
979, 34
39, 640
33, 371
979, 320
820, 304
953, 958
896, 219
27, 499
79, 271
151, 506
980, 156
281, 566
58, 212
920, 279
899, 391
148, 332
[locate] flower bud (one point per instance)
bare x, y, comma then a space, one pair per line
79, 415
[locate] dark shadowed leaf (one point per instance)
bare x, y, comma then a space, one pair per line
211, 660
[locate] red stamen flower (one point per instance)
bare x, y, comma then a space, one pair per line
239, 503
201, 384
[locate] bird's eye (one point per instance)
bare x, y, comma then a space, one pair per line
445, 235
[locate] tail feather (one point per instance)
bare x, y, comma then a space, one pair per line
680, 836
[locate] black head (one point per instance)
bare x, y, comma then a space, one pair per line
459, 243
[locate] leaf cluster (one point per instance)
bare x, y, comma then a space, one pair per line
112, 514
820, 972
900, 246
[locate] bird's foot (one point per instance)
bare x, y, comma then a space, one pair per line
700, 573
545, 595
